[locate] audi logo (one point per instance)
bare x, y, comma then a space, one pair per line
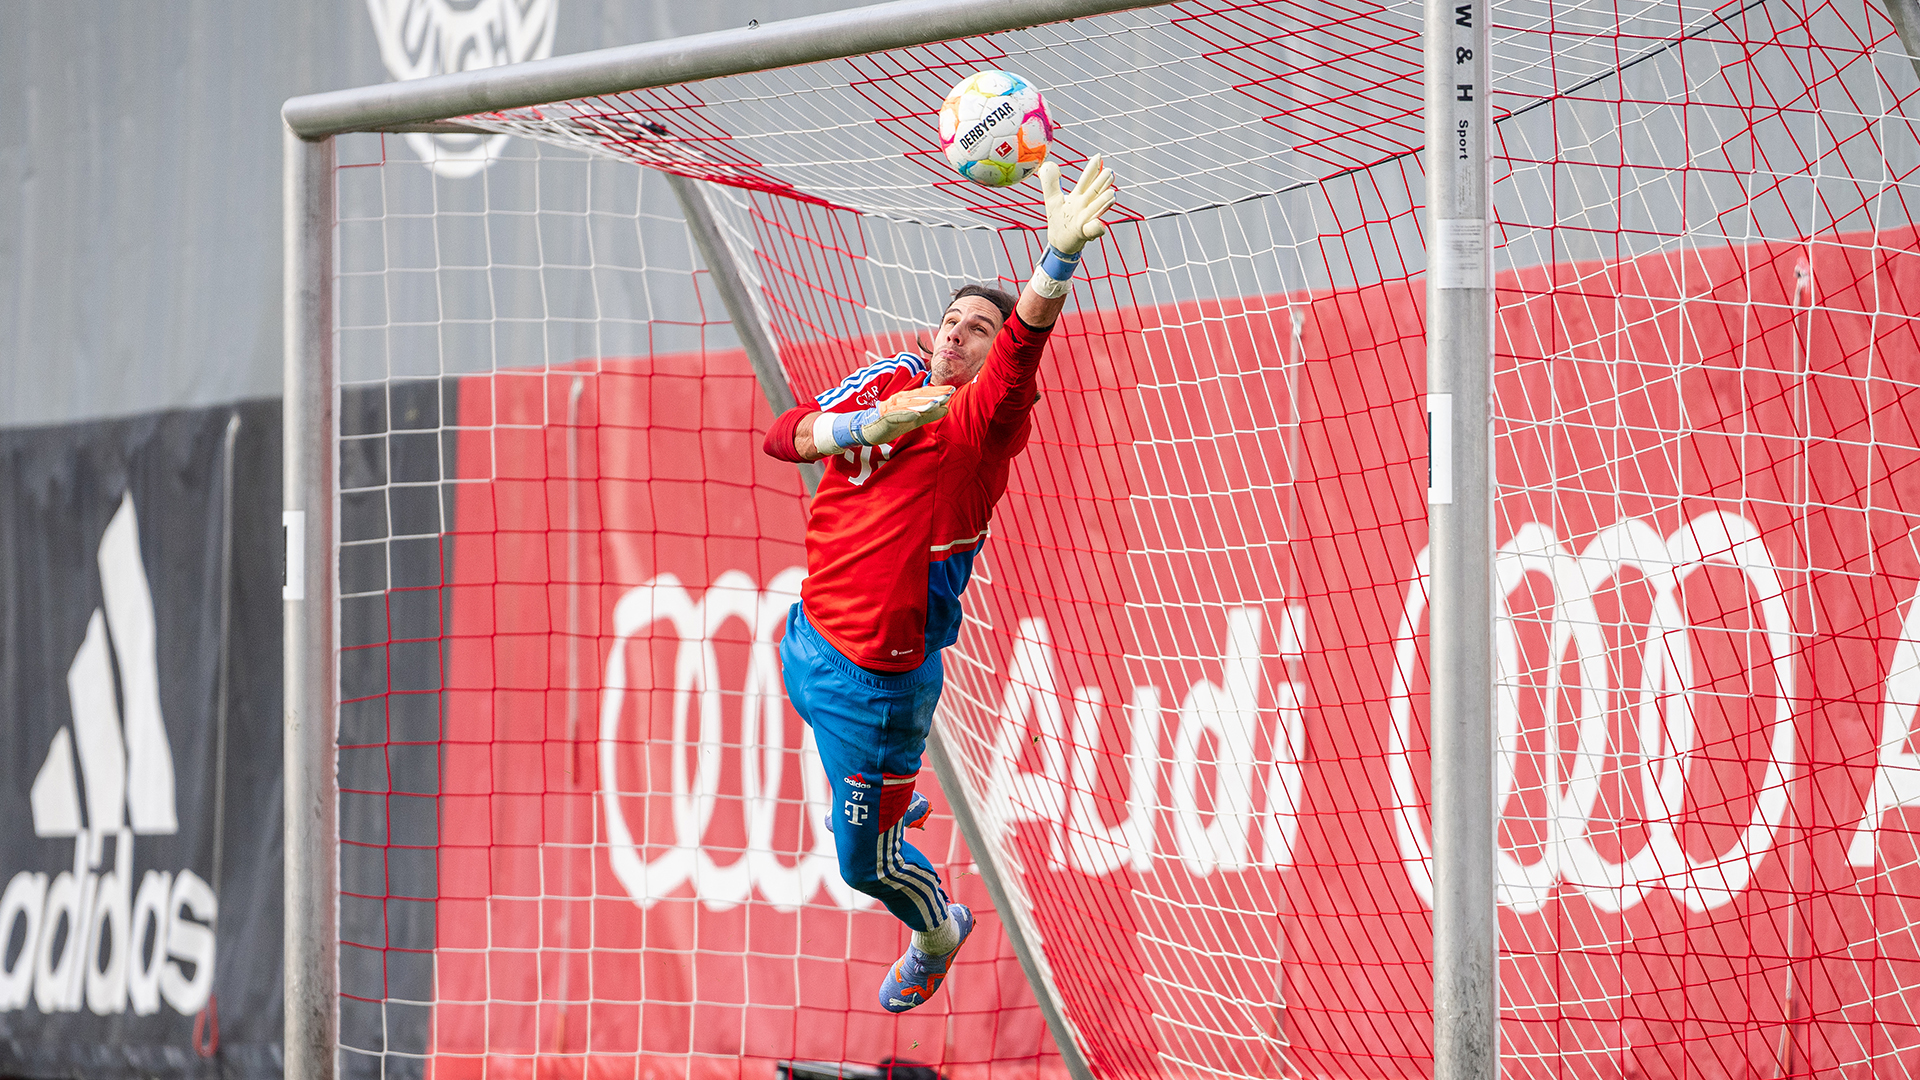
1644, 739
697, 704
652, 865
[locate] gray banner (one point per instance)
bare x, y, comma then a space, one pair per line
140, 239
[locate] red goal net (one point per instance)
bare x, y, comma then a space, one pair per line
1188, 702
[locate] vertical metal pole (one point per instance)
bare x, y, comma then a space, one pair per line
311, 942
1466, 1022
756, 336
1905, 15
1013, 920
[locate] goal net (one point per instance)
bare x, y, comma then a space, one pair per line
579, 823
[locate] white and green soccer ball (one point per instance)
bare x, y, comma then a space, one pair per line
994, 128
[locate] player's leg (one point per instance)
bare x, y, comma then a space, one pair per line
871, 732
852, 712
919, 972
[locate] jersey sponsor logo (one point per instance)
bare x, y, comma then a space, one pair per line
868, 381
108, 778
438, 37
1618, 864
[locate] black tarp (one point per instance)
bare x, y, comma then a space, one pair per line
137, 595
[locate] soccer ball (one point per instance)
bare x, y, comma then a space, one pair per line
994, 128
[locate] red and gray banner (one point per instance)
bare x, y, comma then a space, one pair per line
1193, 695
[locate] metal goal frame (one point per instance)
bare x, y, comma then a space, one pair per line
1466, 1029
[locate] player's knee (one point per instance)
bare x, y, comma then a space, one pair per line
905, 886
863, 876
867, 880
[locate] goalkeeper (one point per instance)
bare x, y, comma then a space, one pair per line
920, 453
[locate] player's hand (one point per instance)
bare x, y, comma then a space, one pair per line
1073, 218
905, 411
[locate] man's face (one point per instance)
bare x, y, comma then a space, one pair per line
965, 337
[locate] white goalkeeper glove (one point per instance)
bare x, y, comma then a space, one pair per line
883, 423
1073, 219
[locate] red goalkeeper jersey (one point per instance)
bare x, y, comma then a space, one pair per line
894, 528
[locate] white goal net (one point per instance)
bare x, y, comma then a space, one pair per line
1187, 708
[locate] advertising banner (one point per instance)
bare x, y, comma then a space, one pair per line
1192, 688
140, 749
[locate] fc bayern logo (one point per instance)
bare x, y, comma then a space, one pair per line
436, 37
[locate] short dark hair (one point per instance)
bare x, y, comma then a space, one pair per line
999, 298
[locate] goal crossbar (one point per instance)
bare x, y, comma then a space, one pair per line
790, 42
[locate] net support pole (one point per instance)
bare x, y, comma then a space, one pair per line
757, 338
1466, 1027
749, 321
310, 943
1012, 920
1906, 22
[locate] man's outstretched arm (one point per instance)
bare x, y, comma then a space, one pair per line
993, 414
1073, 221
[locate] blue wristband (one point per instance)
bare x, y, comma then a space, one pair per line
846, 427
1057, 266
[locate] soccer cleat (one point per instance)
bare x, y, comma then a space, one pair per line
918, 811
915, 977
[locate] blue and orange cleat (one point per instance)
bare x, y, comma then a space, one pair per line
918, 811
915, 977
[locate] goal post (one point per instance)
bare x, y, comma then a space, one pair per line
1455, 614
311, 878
311, 432
1460, 521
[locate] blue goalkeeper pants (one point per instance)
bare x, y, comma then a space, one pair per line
871, 731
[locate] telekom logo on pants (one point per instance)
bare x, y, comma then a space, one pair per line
86, 929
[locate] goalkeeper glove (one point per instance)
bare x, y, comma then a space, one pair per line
1073, 219
883, 423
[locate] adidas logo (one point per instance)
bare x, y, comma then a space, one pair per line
90, 936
